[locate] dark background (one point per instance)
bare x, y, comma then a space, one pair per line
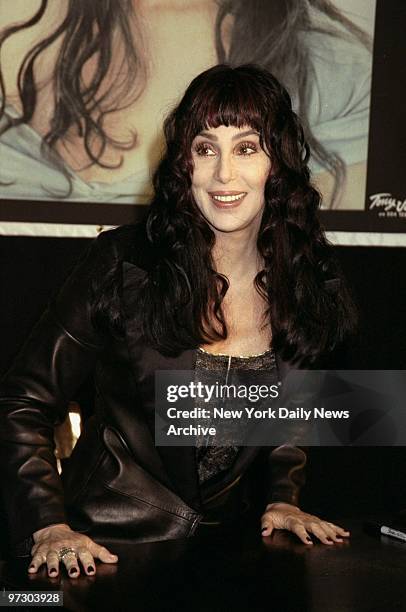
341, 481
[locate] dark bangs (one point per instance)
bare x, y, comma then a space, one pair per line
223, 96
231, 103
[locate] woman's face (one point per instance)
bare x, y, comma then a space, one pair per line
229, 176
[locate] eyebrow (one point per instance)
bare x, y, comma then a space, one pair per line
236, 137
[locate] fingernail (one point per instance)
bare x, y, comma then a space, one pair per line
90, 569
73, 571
308, 539
264, 529
52, 570
32, 567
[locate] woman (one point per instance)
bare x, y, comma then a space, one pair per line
230, 270
93, 80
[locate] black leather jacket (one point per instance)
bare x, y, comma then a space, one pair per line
118, 483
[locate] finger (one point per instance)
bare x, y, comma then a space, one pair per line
331, 532
336, 533
70, 561
52, 563
267, 526
39, 548
319, 532
100, 552
37, 560
299, 529
340, 530
86, 559
34, 549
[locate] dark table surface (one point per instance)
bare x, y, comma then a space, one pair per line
227, 571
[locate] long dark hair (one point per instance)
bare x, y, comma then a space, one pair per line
268, 36
180, 301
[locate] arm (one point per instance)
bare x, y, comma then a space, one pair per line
287, 465
287, 468
339, 114
352, 193
34, 395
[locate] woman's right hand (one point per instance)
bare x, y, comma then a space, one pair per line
53, 539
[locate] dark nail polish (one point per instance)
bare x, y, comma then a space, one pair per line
73, 571
263, 529
52, 570
90, 569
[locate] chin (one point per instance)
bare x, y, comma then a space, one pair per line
230, 221
229, 226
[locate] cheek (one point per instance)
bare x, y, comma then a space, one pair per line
263, 176
258, 179
198, 187
200, 177
256, 174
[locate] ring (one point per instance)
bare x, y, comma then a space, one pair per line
66, 551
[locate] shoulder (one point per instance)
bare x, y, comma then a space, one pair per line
343, 56
337, 48
101, 262
126, 243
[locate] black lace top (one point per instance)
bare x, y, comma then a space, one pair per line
213, 460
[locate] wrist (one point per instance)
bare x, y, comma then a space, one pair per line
37, 535
280, 506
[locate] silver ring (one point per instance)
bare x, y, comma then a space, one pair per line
66, 551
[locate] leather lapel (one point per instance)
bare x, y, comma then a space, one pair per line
177, 467
178, 463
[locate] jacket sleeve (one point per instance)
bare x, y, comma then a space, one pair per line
58, 356
287, 462
287, 473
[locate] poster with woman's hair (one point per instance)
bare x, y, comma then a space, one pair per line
85, 88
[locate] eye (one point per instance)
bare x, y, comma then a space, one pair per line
247, 148
204, 149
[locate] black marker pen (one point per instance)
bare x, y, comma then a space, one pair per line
378, 529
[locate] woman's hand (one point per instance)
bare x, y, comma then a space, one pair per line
286, 516
52, 540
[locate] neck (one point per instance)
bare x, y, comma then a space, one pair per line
235, 255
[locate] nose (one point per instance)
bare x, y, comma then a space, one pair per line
225, 170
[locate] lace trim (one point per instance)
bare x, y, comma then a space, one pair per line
270, 350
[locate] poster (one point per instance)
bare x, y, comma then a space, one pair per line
81, 127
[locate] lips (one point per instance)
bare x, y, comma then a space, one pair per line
227, 199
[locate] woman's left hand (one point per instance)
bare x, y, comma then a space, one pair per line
286, 516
